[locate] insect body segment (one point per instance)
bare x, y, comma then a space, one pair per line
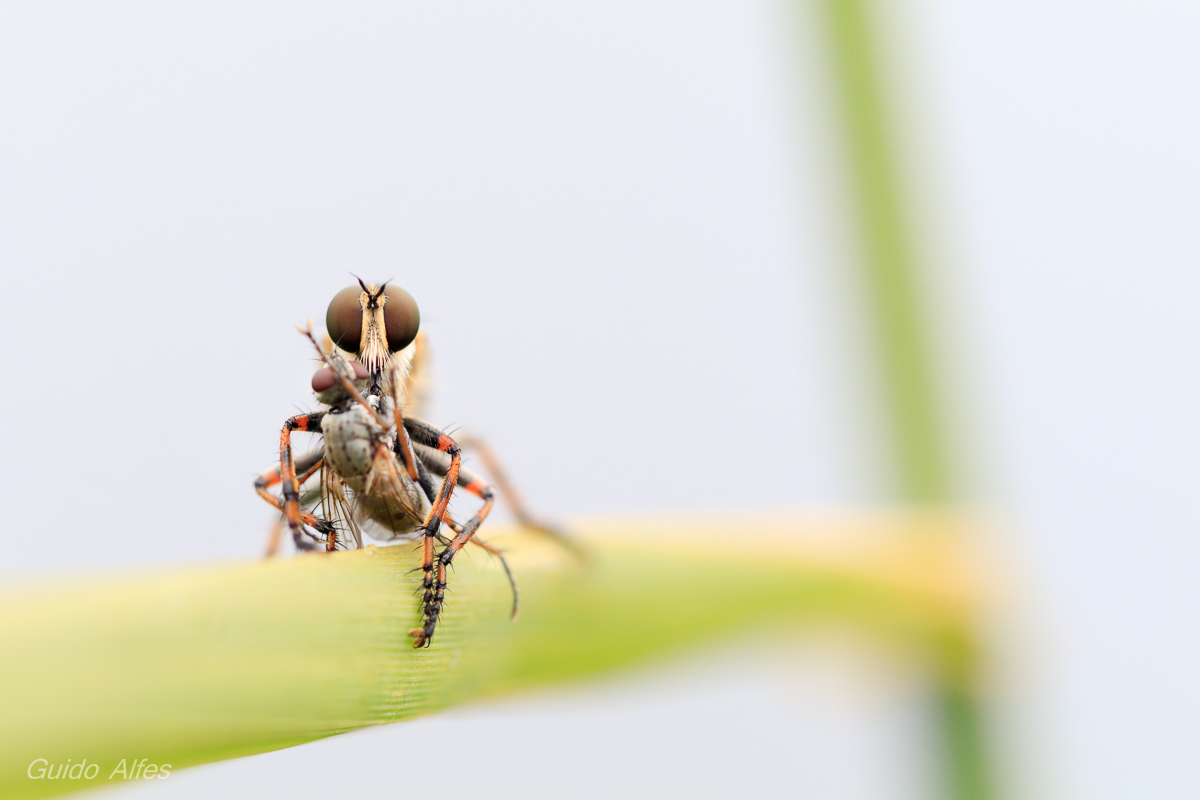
373, 323
379, 466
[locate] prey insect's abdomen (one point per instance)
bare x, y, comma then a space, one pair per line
355, 445
350, 437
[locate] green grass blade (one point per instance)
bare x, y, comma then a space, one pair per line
197, 665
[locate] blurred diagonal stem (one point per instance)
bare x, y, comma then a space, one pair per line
900, 330
884, 230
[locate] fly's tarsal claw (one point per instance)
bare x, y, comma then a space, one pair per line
303, 543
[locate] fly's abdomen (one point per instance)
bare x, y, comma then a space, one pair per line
392, 520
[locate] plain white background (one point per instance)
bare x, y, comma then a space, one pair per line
623, 226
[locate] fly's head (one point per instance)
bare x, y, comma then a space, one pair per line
372, 322
330, 390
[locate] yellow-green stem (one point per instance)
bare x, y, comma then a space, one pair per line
196, 665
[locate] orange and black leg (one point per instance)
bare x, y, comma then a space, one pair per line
291, 487
512, 581
425, 478
512, 498
308, 466
422, 433
434, 610
441, 461
499, 555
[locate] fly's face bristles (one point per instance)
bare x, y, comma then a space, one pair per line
373, 349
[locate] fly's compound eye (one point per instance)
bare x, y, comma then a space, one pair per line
343, 320
400, 317
324, 379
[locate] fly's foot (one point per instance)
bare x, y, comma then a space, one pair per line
300, 540
325, 528
435, 595
422, 636
307, 540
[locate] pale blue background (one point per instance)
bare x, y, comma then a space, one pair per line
619, 219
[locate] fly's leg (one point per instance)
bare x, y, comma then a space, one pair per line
306, 518
512, 581
512, 497
404, 446
440, 463
309, 464
443, 460
425, 478
274, 537
291, 485
271, 477
435, 599
425, 434
433, 610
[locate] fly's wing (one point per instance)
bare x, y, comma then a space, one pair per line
390, 506
335, 507
418, 382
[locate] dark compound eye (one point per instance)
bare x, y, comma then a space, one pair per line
400, 316
324, 378
343, 320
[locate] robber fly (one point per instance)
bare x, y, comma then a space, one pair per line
380, 469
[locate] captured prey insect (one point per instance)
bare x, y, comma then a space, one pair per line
380, 469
